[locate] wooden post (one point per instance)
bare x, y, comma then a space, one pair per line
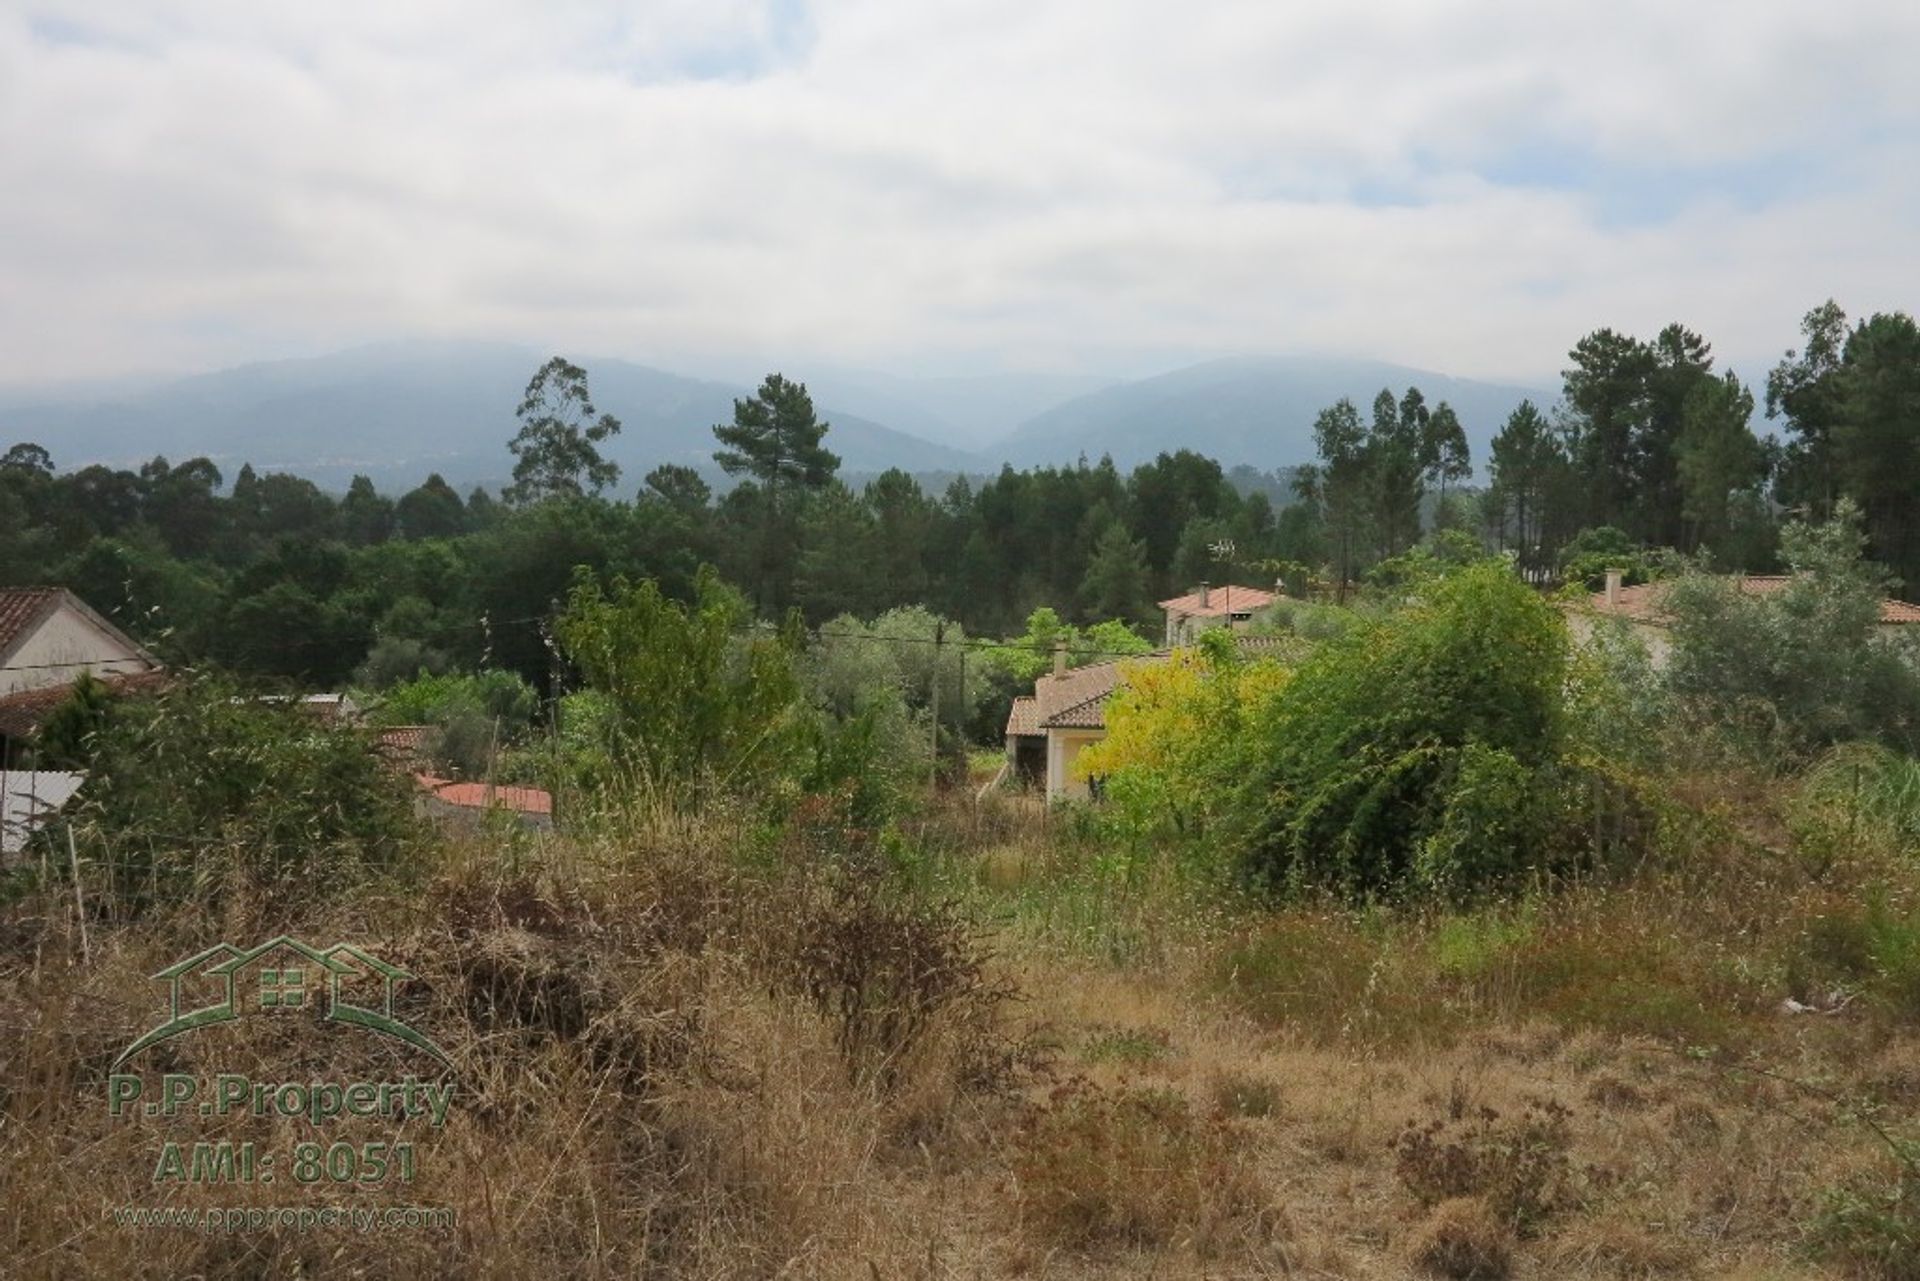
933, 763
966, 773
79, 899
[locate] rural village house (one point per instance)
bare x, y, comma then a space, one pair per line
48, 637
1639, 607
1209, 606
1047, 729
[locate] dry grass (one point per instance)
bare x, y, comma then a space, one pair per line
1464, 1239
674, 1062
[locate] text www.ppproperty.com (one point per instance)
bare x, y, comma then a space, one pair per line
258, 1218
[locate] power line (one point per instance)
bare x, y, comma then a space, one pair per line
80, 663
981, 642
484, 624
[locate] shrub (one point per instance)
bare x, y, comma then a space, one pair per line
1419, 750
205, 771
694, 701
1802, 667
1588, 556
1520, 1166
1872, 1225
1167, 762
1441, 553
857, 760
885, 971
429, 699
475, 717
66, 739
1027, 656
1867, 793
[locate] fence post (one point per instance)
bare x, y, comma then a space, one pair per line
79, 899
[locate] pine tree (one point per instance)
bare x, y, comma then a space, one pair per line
1116, 582
774, 439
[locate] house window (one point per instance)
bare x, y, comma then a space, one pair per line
283, 988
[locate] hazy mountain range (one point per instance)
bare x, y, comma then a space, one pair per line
399, 411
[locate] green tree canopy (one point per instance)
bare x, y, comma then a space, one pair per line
559, 428
775, 439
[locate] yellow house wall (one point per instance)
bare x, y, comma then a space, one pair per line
1063, 745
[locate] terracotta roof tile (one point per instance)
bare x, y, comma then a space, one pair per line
1024, 719
403, 741
1090, 714
1221, 600
525, 800
1053, 695
20, 608
1642, 601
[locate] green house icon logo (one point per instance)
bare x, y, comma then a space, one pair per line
284, 974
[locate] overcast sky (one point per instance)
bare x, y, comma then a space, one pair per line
1107, 186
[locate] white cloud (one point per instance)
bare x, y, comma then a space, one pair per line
1077, 182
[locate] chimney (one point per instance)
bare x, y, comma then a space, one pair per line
1203, 595
1613, 589
1059, 658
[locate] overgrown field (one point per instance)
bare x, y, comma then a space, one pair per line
1428, 943
989, 1045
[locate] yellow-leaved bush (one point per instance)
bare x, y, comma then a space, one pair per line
1173, 730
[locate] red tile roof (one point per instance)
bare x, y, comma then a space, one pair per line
1024, 719
404, 742
1090, 713
1641, 602
524, 800
21, 608
1220, 601
1055, 696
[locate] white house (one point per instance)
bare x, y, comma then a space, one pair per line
1229, 605
48, 636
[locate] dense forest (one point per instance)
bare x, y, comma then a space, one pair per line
1650, 449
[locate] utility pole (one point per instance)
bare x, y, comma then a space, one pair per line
1223, 551
933, 760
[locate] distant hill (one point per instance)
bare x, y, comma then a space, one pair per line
964, 411
1257, 410
397, 412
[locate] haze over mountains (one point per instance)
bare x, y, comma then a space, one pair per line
398, 411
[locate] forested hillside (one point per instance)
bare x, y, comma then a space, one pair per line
1652, 450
